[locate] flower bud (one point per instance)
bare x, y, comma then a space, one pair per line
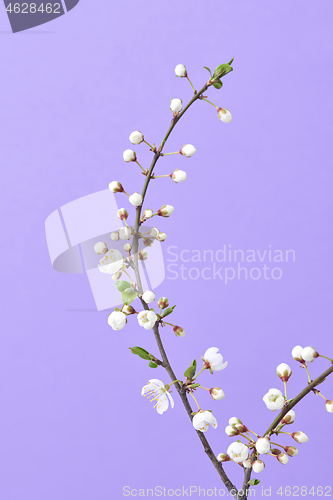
216, 393
125, 233
222, 457
178, 175
297, 353
116, 187
247, 464
148, 242
234, 420
127, 247
114, 236
224, 115
230, 431
291, 451
241, 427
135, 199
129, 310
100, 248
187, 150
180, 70
275, 451
136, 137
300, 437
142, 255
309, 354
122, 214
284, 372
258, 466
179, 331
161, 237
283, 458
165, 211
154, 232
117, 320
176, 105
163, 303
117, 275
263, 445
289, 418
148, 297
147, 213
129, 155
329, 406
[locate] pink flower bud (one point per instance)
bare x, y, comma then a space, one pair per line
188, 150
161, 237
129, 155
136, 137
309, 354
129, 310
100, 248
135, 199
143, 255
165, 211
224, 115
300, 437
127, 247
122, 214
289, 418
180, 70
148, 242
216, 393
283, 458
147, 213
291, 451
116, 187
329, 406
297, 353
163, 303
258, 466
222, 457
284, 372
179, 331
178, 175
115, 236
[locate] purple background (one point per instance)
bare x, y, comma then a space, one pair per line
74, 424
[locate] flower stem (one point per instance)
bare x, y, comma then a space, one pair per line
151, 147
210, 103
307, 371
277, 444
191, 84
285, 390
143, 170
197, 375
321, 356
195, 400
157, 176
173, 382
200, 387
128, 276
175, 153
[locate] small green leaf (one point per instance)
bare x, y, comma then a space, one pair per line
190, 372
217, 84
153, 365
254, 482
128, 296
209, 71
141, 352
194, 386
231, 61
222, 70
122, 285
168, 311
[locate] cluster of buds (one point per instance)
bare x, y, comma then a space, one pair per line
308, 354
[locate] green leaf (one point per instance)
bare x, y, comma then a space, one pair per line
254, 482
217, 84
141, 352
153, 365
168, 311
190, 372
128, 296
122, 285
194, 386
231, 61
209, 71
222, 70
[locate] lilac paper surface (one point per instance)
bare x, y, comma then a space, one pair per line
74, 424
